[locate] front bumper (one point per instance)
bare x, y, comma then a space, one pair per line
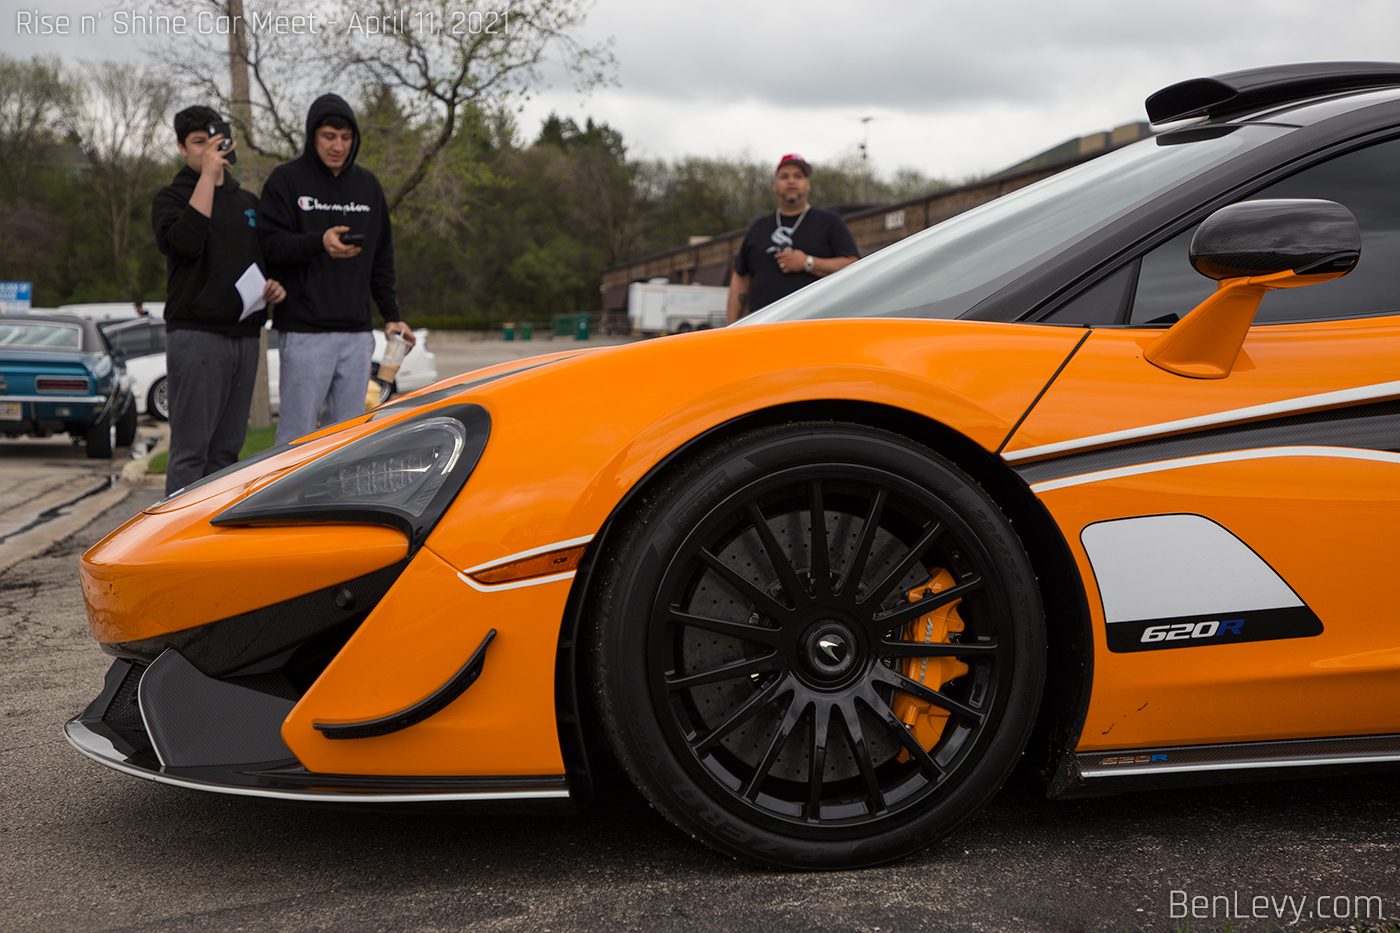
185, 729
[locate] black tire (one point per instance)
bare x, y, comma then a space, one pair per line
387, 390
684, 327
126, 425
715, 664
100, 439
158, 400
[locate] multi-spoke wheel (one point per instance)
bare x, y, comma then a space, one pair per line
822, 646
158, 400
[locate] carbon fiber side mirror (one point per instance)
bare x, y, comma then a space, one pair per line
1303, 236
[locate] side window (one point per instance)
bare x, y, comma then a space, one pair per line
1366, 182
133, 341
1168, 285
1102, 304
116, 340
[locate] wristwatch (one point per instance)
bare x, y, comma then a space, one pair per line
811, 261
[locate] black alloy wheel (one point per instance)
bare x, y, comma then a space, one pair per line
752, 650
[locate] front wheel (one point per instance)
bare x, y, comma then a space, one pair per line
821, 646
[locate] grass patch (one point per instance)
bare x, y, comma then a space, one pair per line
258, 439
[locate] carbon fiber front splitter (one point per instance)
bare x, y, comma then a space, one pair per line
114, 731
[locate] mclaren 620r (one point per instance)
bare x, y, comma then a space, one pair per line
1101, 475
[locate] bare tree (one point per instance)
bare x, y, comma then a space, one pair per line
35, 98
285, 70
442, 57
121, 126
438, 58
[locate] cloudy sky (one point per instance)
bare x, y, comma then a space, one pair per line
954, 88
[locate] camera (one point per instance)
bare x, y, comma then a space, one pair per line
222, 128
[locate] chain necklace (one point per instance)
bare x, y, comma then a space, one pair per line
782, 236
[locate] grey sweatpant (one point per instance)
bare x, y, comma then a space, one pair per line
211, 389
320, 370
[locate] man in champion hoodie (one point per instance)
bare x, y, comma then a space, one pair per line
324, 325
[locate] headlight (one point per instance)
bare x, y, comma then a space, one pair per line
404, 476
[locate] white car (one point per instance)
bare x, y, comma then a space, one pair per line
143, 342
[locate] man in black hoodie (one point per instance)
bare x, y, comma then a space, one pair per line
206, 225
324, 224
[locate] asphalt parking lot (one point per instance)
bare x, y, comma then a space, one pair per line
83, 848
462, 351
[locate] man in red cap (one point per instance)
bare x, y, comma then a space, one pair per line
790, 249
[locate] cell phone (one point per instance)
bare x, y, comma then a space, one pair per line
223, 129
353, 239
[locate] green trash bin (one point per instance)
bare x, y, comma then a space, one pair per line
563, 325
580, 327
527, 331
509, 331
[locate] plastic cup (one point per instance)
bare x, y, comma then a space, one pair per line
395, 349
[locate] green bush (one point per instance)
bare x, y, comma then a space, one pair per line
258, 440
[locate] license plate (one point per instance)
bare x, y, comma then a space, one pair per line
9, 411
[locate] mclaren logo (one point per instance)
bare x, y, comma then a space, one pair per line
307, 203
834, 647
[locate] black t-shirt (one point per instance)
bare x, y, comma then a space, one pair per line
822, 234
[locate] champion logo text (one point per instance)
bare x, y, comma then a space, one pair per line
308, 203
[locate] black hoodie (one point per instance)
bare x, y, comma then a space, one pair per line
205, 256
300, 202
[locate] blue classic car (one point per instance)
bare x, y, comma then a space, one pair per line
59, 374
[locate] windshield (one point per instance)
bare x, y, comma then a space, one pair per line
40, 335
944, 271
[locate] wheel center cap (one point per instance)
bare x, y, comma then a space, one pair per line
829, 650
834, 647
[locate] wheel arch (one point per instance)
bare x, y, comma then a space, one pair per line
1069, 667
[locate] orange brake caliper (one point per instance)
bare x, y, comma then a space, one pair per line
926, 721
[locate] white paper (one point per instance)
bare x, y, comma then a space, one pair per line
250, 287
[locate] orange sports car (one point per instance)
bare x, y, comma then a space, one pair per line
1104, 473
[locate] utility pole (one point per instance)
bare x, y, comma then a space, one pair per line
864, 156
260, 415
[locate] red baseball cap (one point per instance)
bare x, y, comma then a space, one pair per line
793, 158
